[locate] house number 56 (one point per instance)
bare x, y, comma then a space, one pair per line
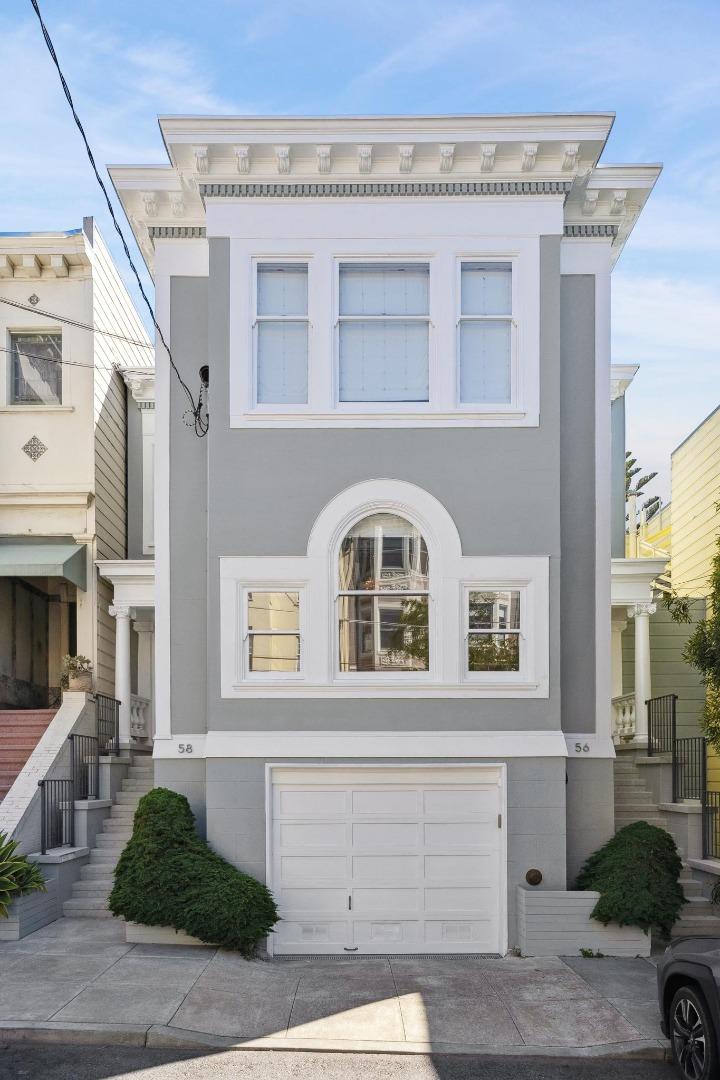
185, 748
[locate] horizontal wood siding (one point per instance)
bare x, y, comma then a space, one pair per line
695, 521
113, 310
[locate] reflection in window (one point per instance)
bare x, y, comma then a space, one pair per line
383, 597
273, 632
485, 333
282, 334
493, 639
36, 369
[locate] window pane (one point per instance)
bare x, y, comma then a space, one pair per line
485, 362
486, 290
274, 652
494, 652
36, 377
282, 290
383, 633
494, 610
282, 355
384, 552
384, 290
384, 361
273, 611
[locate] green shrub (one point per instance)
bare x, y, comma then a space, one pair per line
168, 876
636, 874
17, 875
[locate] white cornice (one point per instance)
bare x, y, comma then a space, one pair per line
621, 375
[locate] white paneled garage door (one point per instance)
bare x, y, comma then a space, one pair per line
388, 859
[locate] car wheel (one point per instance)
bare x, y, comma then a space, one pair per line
692, 1035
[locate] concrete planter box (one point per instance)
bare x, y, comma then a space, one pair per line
159, 935
558, 923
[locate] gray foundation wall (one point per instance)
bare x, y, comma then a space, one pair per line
234, 790
590, 810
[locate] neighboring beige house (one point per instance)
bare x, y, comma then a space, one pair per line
68, 326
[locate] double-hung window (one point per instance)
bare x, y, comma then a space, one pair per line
384, 329
273, 637
282, 334
36, 369
485, 333
493, 630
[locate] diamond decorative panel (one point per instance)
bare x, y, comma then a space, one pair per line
34, 448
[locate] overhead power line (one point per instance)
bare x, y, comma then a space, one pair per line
51, 359
75, 322
197, 409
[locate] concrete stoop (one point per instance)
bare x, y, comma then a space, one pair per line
634, 801
90, 894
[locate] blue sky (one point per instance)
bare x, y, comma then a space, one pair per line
654, 63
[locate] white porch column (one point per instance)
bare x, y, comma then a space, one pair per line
145, 630
122, 615
619, 622
641, 612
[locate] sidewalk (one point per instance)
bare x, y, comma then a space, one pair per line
78, 981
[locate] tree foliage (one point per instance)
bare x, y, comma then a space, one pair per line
637, 486
636, 874
168, 876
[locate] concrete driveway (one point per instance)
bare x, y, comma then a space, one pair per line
79, 980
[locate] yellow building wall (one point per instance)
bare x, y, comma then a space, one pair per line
696, 523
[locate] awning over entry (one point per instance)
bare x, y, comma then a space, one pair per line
47, 558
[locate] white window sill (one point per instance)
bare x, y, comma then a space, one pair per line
344, 419
376, 690
20, 408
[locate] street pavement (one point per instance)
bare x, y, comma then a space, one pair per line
78, 980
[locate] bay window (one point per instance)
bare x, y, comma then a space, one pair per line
282, 334
384, 320
485, 333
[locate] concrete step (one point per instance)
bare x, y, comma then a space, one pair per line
136, 772
100, 871
104, 857
691, 888
698, 926
118, 824
128, 798
101, 887
124, 811
698, 905
88, 907
111, 843
639, 806
140, 787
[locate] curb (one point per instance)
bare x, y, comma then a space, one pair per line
159, 1036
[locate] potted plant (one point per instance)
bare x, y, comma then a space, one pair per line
77, 673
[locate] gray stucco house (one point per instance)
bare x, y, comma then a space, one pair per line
382, 668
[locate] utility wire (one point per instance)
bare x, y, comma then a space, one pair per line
75, 322
199, 415
51, 359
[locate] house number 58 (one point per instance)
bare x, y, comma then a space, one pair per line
185, 748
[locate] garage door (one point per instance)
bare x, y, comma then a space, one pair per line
388, 860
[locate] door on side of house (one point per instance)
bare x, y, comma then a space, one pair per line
387, 859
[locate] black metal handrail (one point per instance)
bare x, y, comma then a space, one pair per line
108, 724
85, 766
57, 814
689, 768
711, 824
662, 723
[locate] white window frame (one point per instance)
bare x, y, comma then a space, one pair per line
276, 407
451, 574
15, 331
526, 634
351, 407
512, 319
243, 672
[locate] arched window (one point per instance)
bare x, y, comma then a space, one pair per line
383, 597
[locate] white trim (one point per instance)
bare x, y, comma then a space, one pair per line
368, 744
449, 570
382, 772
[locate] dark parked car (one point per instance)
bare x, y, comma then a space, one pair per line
689, 997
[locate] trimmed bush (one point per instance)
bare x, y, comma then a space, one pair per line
636, 874
168, 876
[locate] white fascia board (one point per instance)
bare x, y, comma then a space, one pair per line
276, 745
626, 176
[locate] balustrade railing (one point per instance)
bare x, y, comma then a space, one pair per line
139, 717
661, 724
623, 717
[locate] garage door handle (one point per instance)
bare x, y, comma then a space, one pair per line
349, 903
345, 949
